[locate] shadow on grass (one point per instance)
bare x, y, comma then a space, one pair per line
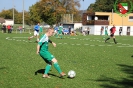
41, 71
124, 82
1, 68
132, 56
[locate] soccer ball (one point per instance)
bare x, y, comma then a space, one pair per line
71, 74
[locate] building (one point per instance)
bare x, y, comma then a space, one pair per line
6, 21
101, 19
9, 22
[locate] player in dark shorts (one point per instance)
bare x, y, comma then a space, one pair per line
112, 31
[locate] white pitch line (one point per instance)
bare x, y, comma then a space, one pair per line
129, 46
120, 46
19, 37
7, 37
92, 45
78, 44
86, 44
109, 45
101, 45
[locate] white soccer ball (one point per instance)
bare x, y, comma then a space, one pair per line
71, 74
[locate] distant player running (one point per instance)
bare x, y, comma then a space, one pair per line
42, 49
56, 31
60, 31
112, 31
36, 32
41, 31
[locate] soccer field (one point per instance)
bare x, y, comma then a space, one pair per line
97, 64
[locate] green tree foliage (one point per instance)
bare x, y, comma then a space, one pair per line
103, 5
50, 11
8, 14
34, 13
46, 10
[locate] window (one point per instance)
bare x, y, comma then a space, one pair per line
130, 18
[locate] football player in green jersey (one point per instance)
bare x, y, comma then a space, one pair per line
60, 31
42, 49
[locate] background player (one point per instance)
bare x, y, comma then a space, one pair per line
112, 31
36, 32
60, 31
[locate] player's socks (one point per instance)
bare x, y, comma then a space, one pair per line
57, 67
61, 36
114, 40
47, 68
107, 39
56, 35
31, 36
37, 39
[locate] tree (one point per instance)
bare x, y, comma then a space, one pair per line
50, 11
34, 14
103, 5
6, 14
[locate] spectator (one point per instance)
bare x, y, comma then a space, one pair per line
69, 29
4, 28
88, 30
20, 29
120, 31
9, 28
102, 28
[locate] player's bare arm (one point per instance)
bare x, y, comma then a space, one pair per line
38, 48
54, 44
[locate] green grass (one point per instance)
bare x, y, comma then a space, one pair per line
97, 64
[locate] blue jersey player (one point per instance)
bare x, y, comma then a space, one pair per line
36, 32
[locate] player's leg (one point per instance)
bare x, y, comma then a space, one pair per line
48, 66
60, 35
108, 38
57, 67
56, 34
33, 35
114, 39
37, 37
104, 36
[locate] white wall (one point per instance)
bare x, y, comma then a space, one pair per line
77, 25
8, 22
131, 30
91, 28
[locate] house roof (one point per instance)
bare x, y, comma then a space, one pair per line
2, 20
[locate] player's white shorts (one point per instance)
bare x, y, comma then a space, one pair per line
36, 33
55, 31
